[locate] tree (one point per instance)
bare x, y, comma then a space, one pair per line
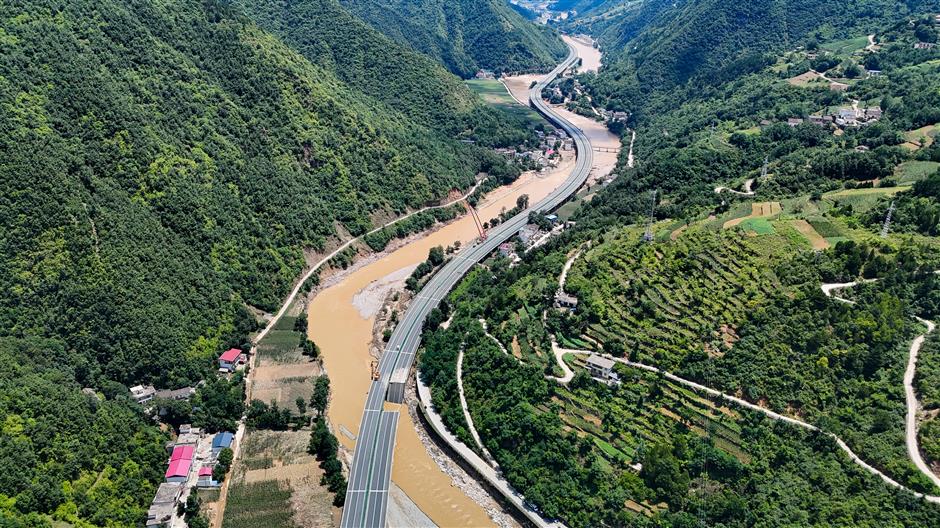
321, 394
436, 256
301, 405
310, 348
300, 324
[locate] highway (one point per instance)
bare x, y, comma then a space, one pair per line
367, 493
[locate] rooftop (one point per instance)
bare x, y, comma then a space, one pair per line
222, 440
230, 355
182, 452
600, 362
168, 492
179, 468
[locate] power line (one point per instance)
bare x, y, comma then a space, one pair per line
648, 235
887, 224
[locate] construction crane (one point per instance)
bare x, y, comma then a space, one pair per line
648, 235
887, 224
454, 196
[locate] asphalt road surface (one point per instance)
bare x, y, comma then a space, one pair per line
367, 494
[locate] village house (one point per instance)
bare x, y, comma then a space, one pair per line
222, 441
177, 394
143, 393
485, 74
188, 435
507, 249
794, 122
924, 45
205, 479
181, 462
164, 503
600, 367
565, 301
527, 233
230, 359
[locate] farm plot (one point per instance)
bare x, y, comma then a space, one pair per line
665, 301
912, 171
265, 503
758, 210
809, 232
275, 467
645, 410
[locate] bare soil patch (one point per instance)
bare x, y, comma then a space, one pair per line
807, 230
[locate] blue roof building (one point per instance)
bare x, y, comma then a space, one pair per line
221, 441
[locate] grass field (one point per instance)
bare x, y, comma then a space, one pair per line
259, 504
921, 137
759, 226
912, 171
758, 210
494, 93
861, 200
816, 240
847, 46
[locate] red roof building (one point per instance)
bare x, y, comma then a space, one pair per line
205, 471
178, 470
182, 452
230, 355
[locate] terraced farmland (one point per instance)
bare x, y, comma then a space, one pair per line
644, 412
663, 301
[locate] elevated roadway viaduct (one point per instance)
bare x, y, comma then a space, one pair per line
367, 493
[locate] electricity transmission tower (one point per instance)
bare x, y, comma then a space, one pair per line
648, 235
887, 225
763, 172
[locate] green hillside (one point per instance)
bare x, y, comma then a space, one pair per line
464, 35
166, 163
384, 70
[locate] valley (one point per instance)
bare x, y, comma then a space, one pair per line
388, 263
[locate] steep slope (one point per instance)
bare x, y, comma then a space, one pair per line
464, 35
164, 163
379, 68
669, 43
329, 36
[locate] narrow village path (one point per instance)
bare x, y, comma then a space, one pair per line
631, 161
770, 414
910, 395
466, 410
746, 192
313, 269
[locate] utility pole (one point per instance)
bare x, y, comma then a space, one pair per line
887, 225
648, 235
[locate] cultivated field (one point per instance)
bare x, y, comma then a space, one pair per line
664, 301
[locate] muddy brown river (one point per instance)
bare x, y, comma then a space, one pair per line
341, 321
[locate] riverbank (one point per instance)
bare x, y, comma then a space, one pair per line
346, 300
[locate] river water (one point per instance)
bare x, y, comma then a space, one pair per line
341, 323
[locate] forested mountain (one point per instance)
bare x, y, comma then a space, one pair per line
328, 35
464, 35
829, 111
661, 43
165, 164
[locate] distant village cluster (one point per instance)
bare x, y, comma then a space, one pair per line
842, 118
547, 154
193, 456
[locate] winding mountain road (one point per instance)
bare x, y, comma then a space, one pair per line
910, 396
367, 493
